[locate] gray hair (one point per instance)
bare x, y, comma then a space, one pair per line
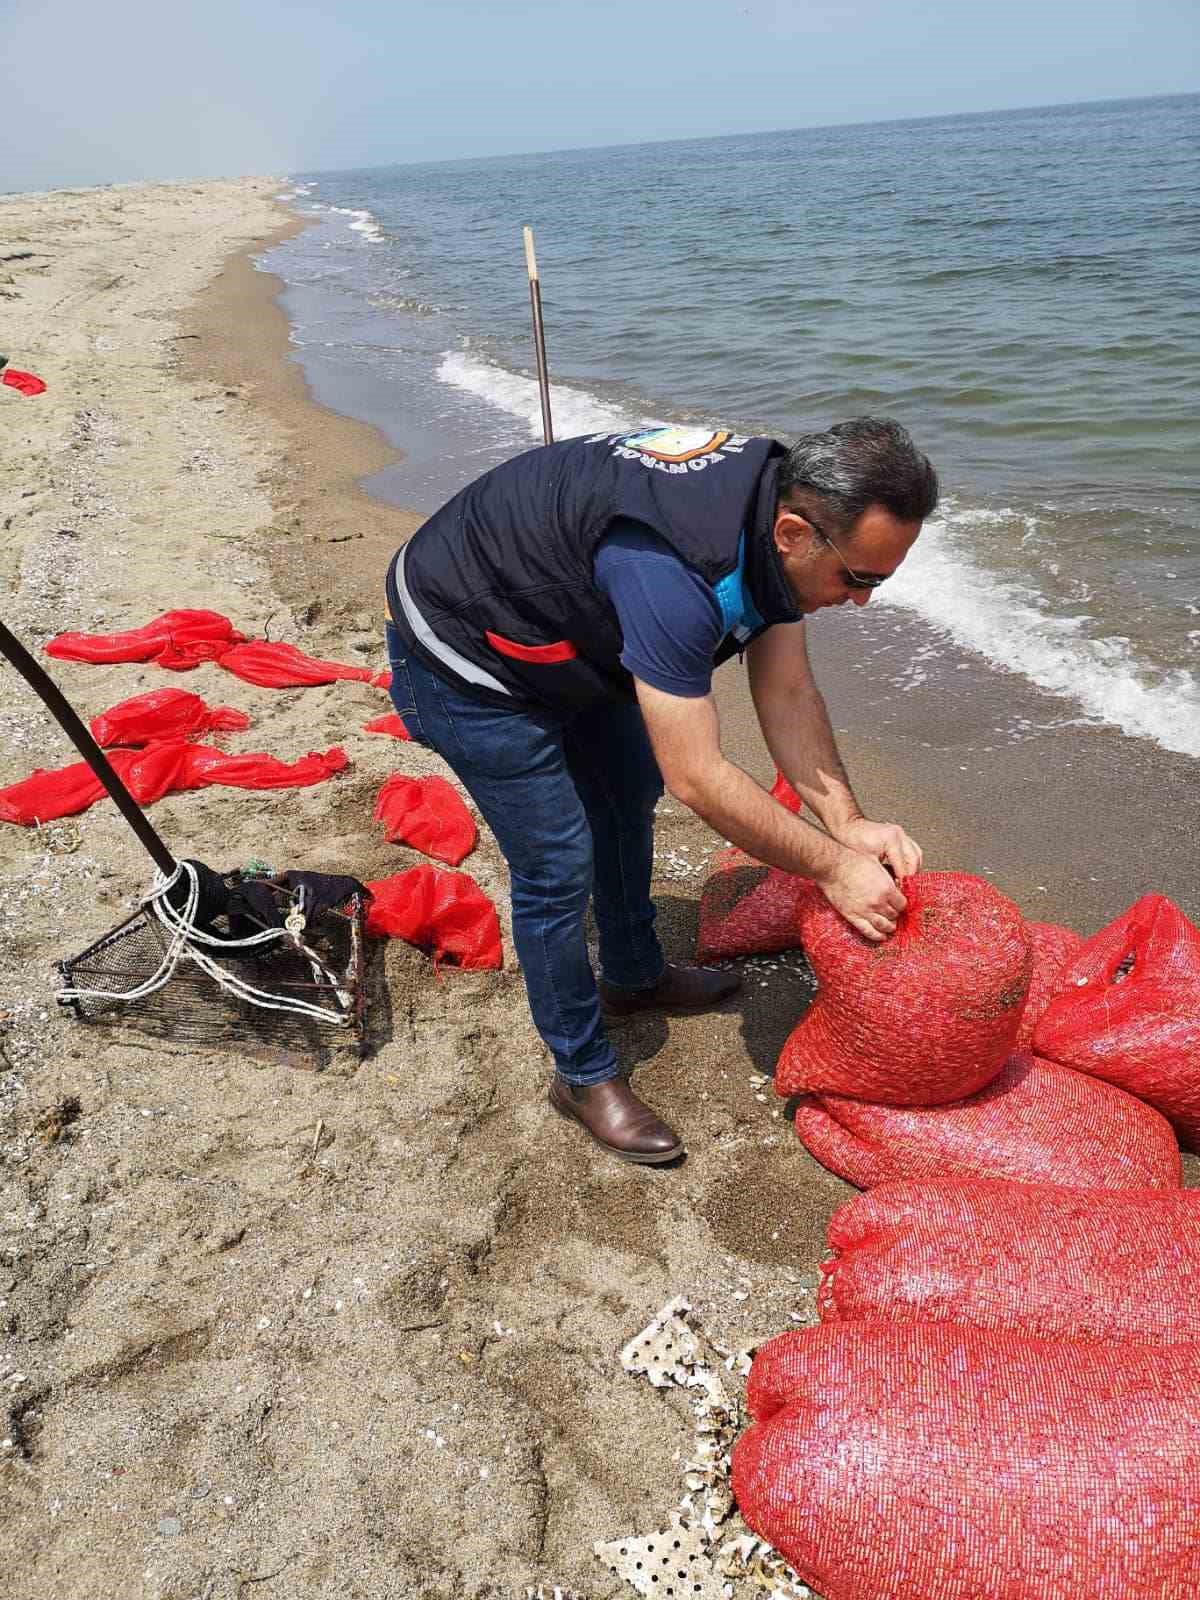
867, 461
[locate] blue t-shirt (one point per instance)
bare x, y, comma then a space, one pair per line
671, 621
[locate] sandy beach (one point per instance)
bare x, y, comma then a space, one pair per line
282, 1326
268, 1329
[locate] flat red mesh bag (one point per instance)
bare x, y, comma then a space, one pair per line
925, 1017
748, 908
944, 1463
428, 814
1128, 1010
446, 913
163, 714
177, 640
1053, 947
1037, 1123
1030, 1258
392, 724
171, 766
282, 666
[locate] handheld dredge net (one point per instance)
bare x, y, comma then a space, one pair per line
211, 956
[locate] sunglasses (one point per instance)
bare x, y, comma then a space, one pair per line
855, 580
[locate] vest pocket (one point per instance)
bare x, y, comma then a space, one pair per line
537, 654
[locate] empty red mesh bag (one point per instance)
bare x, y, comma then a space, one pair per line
23, 382
946, 1463
1036, 1123
1128, 1010
925, 1017
1032, 1258
748, 908
177, 640
1053, 948
163, 714
282, 666
167, 767
392, 724
446, 913
428, 814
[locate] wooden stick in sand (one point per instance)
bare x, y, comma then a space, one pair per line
539, 335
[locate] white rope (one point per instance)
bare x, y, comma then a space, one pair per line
185, 940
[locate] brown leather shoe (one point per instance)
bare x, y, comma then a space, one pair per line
679, 989
617, 1120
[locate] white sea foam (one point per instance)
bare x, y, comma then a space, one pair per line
1006, 622
573, 410
364, 223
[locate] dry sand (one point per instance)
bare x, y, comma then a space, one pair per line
231, 1366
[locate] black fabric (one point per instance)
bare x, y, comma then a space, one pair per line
254, 904
512, 553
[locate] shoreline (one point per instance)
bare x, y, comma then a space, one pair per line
1033, 813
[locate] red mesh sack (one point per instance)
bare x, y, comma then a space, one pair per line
168, 767
1037, 1123
1032, 1258
282, 666
428, 815
925, 1017
177, 640
163, 714
446, 913
25, 383
382, 680
748, 908
944, 1463
1053, 947
392, 724
1128, 1010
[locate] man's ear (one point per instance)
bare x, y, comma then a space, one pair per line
792, 530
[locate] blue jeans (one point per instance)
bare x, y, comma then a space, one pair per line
571, 804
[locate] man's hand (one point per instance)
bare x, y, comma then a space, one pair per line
886, 841
865, 895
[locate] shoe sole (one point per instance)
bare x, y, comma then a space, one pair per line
656, 1158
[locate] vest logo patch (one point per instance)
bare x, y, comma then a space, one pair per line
675, 450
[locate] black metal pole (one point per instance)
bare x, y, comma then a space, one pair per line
539, 335
60, 708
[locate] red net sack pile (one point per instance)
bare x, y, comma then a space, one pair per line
163, 714
1033, 1259
282, 666
1036, 1123
748, 908
945, 1463
177, 640
1128, 1010
446, 913
428, 814
1053, 948
927, 1016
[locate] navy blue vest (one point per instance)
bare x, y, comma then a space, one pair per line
496, 591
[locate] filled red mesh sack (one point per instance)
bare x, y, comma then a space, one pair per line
1037, 1123
428, 815
946, 1463
392, 724
446, 913
282, 666
1128, 1010
163, 714
168, 767
1032, 1258
927, 1016
1053, 947
177, 640
748, 908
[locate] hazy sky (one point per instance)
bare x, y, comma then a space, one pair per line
128, 89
